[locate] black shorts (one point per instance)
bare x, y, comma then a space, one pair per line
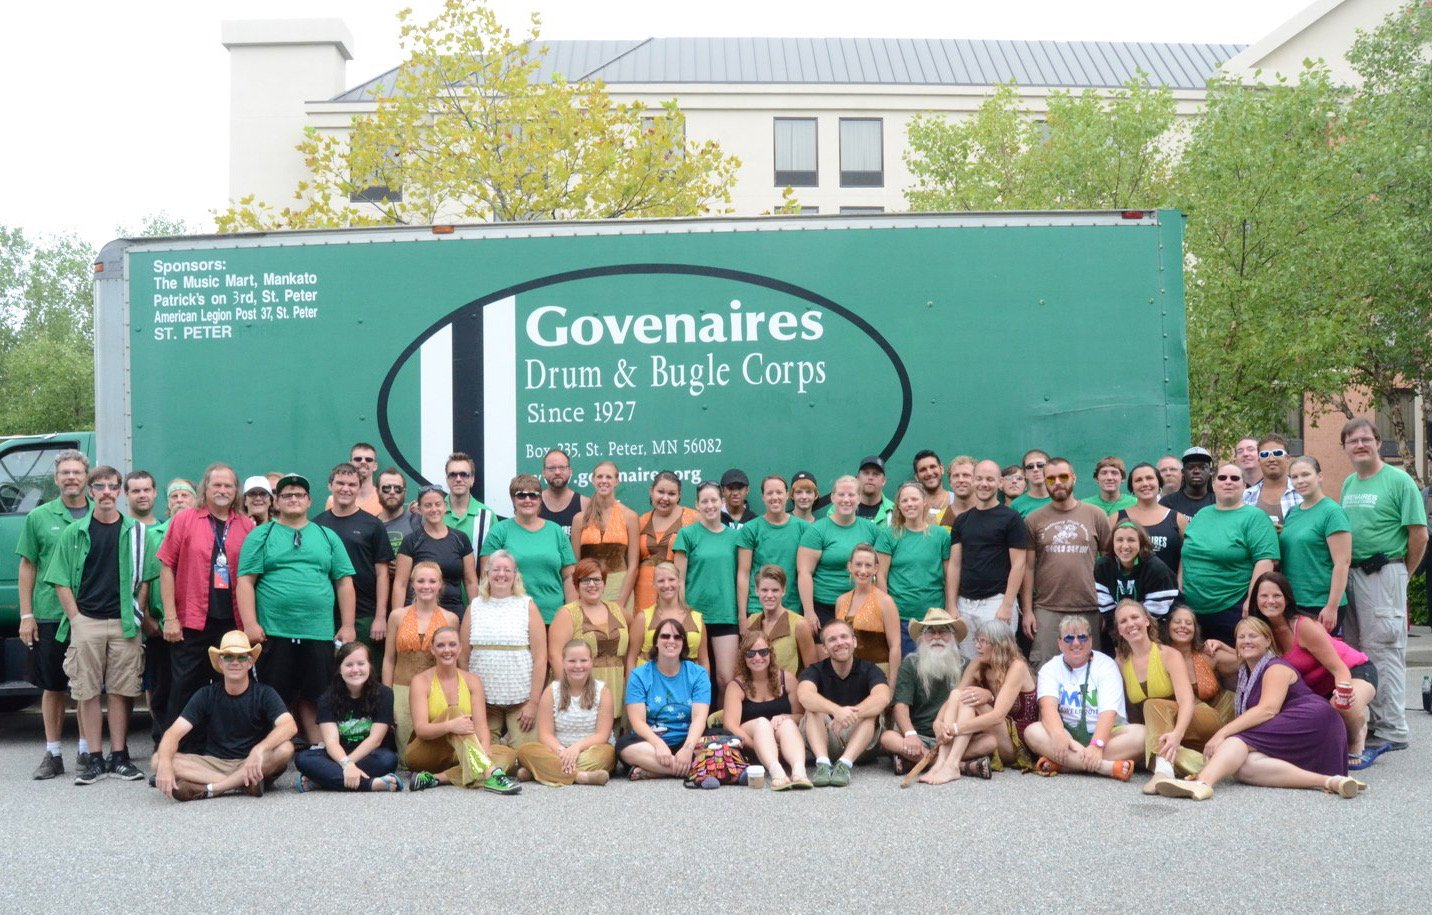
45, 661
716, 630
1367, 672
297, 668
824, 613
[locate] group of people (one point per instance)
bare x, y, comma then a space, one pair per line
1202, 618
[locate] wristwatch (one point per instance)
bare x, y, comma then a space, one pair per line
1096, 742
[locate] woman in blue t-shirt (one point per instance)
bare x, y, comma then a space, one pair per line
667, 699
355, 717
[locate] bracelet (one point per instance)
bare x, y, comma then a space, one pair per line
910, 734
27, 616
345, 762
957, 729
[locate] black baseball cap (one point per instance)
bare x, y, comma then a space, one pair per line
734, 477
873, 460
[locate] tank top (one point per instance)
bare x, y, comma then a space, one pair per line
1157, 685
566, 516
1167, 541
608, 646
437, 699
768, 708
501, 654
692, 624
412, 651
870, 641
576, 723
1318, 678
609, 545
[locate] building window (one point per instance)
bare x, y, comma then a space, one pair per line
862, 160
860, 211
810, 211
795, 141
1399, 412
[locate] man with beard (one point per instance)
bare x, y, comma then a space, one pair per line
559, 504
40, 610
1195, 494
930, 472
397, 520
962, 482
198, 568
1065, 537
922, 686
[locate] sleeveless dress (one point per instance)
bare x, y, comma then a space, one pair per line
1168, 542
694, 627
655, 547
501, 650
411, 656
781, 636
609, 547
1157, 684
871, 643
609, 649
1306, 731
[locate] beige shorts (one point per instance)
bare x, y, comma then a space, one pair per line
224, 767
100, 657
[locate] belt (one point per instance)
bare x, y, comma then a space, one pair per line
502, 648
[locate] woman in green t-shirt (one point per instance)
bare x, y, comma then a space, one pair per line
1226, 547
821, 572
1316, 543
705, 555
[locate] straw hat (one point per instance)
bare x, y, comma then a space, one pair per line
936, 616
234, 643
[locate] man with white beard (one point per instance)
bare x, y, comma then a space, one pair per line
924, 683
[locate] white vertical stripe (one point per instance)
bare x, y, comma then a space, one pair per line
435, 403
499, 402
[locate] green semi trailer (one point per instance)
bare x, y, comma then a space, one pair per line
771, 344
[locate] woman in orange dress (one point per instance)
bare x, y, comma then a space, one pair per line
606, 531
656, 530
602, 625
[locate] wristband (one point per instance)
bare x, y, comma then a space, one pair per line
346, 762
27, 616
910, 734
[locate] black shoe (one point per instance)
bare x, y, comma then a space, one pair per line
120, 766
49, 767
92, 770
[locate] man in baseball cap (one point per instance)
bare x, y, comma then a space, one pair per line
735, 487
1195, 494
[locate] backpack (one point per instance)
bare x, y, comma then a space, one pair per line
717, 761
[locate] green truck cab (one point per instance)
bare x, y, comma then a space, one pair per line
27, 478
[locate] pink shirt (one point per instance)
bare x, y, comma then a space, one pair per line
1312, 671
187, 549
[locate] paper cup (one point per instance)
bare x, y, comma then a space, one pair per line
756, 776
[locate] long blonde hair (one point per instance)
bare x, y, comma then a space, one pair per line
596, 511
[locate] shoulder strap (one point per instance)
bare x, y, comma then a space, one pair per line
136, 560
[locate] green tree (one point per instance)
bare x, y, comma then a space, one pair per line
470, 133
1093, 151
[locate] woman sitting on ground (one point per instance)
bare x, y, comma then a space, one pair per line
1128, 568
450, 743
1284, 735
667, 703
1330, 667
786, 631
1158, 694
574, 727
989, 712
762, 709
666, 584
355, 718
1209, 663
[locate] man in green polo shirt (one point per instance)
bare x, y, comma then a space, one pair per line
465, 513
1389, 536
40, 612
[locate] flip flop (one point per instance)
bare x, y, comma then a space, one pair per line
1367, 757
638, 774
1047, 767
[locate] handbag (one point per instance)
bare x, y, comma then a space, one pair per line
717, 761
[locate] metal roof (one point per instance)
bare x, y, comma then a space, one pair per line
868, 61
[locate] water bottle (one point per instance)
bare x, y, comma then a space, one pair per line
1427, 694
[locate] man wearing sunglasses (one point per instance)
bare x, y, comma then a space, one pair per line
1274, 494
101, 572
369, 549
1037, 496
1065, 537
290, 573
465, 513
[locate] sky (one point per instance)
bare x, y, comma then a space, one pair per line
120, 110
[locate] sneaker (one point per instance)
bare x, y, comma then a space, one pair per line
840, 776
92, 770
500, 782
422, 781
821, 779
49, 767
121, 766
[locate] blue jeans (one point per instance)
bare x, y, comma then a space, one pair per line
328, 775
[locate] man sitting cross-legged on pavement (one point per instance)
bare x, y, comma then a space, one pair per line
247, 731
921, 688
843, 697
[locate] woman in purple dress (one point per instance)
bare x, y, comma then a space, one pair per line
1284, 735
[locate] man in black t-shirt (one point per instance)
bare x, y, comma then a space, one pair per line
987, 557
843, 697
246, 729
369, 549
1195, 494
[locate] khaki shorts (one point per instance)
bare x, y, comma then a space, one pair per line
839, 739
222, 766
100, 657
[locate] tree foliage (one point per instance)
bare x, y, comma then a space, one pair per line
1092, 151
470, 132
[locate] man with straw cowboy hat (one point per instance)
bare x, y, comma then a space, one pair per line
246, 729
924, 683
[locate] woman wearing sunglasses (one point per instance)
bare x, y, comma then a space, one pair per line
539, 547
762, 709
1226, 547
667, 702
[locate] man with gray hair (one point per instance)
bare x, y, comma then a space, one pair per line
923, 685
40, 610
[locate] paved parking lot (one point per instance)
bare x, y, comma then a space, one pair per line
1016, 843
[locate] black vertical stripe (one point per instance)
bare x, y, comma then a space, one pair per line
467, 383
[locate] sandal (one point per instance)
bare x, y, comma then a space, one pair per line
304, 785
900, 765
392, 781
979, 768
1122, 769
1047, 767
1343, 786
802, 784
638, 774
780, 784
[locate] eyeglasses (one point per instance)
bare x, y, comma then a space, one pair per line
459, 475
1361, 440
525, 494
362, 460
981, 642
1229, 477
1058, 477
1276, 452
105, 487
293, 494
553, 468
391, 488
1081, 638
673, 637
590, 580
1034, 465
758, 652
940, 630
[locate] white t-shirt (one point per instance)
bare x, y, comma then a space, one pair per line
1106, 689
